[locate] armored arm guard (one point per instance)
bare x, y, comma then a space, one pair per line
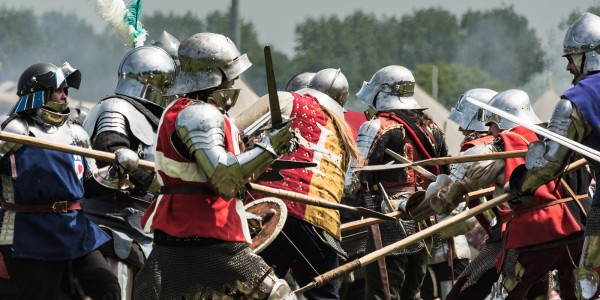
201, 128
366, 136
445, 194
16, 126
546, 160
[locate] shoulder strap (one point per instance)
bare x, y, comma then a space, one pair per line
417, 135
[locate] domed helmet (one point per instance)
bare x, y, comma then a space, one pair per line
333, 83
145, 74
299, 81
583, 37
465, 113
170, 44
392, 87
206, 60
515, 102
35, 85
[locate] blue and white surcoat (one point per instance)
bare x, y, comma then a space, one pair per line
585, 95
34, 176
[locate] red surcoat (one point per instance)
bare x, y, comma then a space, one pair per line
192, 215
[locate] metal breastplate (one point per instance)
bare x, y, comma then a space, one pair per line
62, 134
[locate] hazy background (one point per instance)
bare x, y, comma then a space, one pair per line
275, 20
275, 23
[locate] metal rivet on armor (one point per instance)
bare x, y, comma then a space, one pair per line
33, 79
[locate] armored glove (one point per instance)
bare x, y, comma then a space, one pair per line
279, 141
514, 185
435, 195
115, 175
127, 160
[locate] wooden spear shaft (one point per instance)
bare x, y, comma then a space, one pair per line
311, 200
400, 214
95, 154
445, 160
427, 232
148, 165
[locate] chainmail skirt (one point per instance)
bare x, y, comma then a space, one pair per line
199, 272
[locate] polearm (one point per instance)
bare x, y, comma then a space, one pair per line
436, 161
148, 165
427, 232
95, 154
400, 214
311, 200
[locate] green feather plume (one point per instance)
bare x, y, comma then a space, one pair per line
126, 19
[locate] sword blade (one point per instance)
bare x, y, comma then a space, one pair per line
276, 118
569, 143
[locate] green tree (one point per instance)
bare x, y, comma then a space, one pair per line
575, 14
57, 37
184, 26
428, 35
500, 42
454, 80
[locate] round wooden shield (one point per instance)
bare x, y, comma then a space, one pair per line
272, 213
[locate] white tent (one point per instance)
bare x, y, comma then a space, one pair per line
544, 105
439, 114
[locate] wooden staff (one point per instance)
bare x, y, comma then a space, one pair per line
445, 160
306, 199
148, 165
427, 232
95, 154
400, 214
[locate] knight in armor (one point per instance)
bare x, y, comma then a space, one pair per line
309, 243
49, 246
128, 119
575, 117
201, 235
449, 260
555, 213
399, 124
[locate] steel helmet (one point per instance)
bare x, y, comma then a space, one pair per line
333, 83
583, 37
206, 60
38, 79
299, 81
145, 74
465, 113
392, 87
515, 102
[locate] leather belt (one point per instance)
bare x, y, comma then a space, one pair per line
185, 189
59, 207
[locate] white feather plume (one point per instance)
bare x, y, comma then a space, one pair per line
116, 13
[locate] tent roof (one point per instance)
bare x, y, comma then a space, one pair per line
544, 105
439, 114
